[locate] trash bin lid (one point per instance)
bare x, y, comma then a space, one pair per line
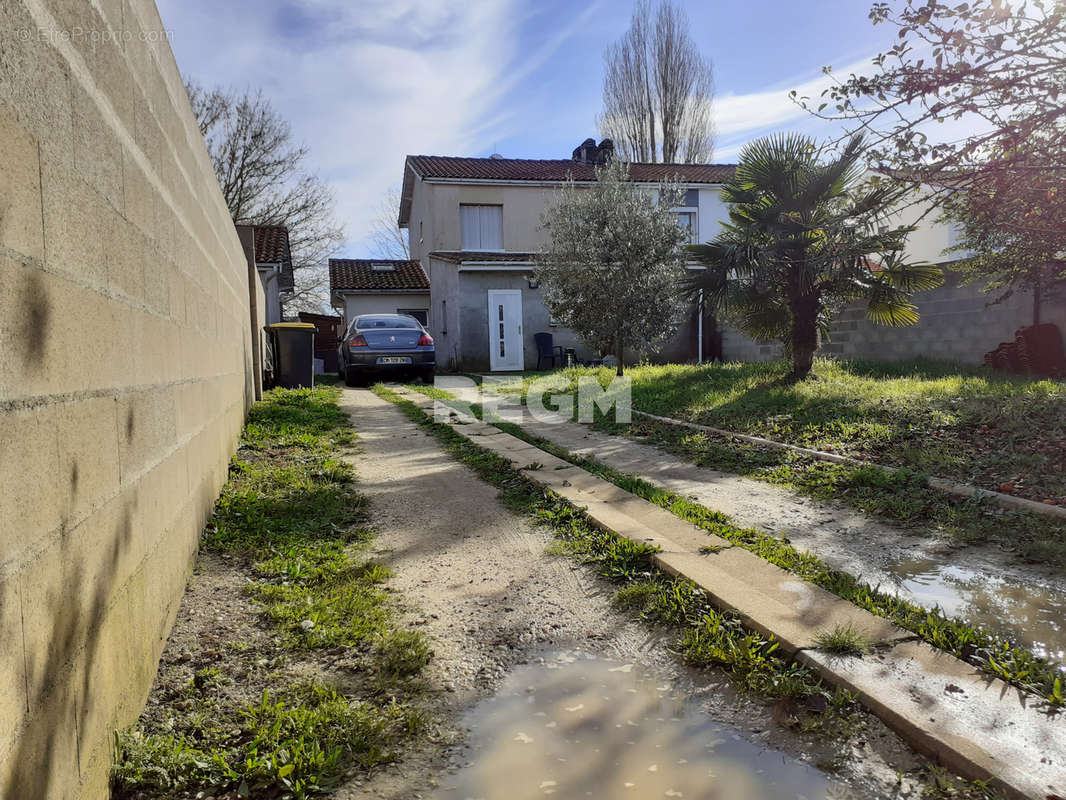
291, 325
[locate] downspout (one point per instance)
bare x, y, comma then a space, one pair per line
253, 310
699, 330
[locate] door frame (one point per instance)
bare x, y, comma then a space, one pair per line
492, 299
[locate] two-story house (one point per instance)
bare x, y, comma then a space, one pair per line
474, 225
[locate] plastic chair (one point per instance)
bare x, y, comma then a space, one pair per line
545, 349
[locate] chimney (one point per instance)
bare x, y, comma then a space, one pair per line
605, 152
585, 153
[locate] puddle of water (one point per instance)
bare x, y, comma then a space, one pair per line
576, 725
1028, 613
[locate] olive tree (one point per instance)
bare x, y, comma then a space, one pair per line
614, 262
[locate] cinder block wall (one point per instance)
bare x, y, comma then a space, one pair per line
124, 375
956, 324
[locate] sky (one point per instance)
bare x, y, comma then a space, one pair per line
366, 82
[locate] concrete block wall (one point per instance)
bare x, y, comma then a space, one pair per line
125, 375
956, 324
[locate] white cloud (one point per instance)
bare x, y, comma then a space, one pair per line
741, 117
365, 84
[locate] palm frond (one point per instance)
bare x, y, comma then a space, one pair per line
893, 313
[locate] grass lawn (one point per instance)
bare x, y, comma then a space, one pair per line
274, 715
966, 424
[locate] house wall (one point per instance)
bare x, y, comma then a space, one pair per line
474, 319
956, 324
272, 291
522, 207
356, 304
445, 324
125, 374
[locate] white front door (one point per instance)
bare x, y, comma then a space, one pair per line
505, 330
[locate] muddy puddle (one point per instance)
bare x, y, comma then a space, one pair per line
575, 725
1027, 613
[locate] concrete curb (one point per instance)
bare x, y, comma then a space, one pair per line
975, 725
940, 484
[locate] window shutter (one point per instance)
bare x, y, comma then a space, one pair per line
492, 227
471, 229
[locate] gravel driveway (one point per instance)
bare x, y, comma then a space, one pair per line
478, 581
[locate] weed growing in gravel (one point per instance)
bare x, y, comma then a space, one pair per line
843, 640
292, 517
297, 742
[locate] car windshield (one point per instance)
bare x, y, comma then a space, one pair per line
385, 322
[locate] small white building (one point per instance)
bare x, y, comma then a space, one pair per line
378, 286
267, 249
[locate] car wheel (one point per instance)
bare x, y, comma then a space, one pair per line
352, 377
427, 377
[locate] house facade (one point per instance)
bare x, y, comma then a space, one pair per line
266, 247
474, 224
378, 286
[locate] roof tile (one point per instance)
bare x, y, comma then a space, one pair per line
560, 169
358, 274
480, 256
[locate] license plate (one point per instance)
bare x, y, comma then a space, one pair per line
394, 360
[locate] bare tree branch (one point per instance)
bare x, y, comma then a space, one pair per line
387, 239
657, 90
265, 181
998, 71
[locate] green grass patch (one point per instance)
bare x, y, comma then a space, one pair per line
843, 640
968, 425
297, 743
291, 516
994, 655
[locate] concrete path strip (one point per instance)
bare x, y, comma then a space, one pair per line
940, 484
979, 727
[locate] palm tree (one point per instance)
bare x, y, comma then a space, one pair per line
804, 238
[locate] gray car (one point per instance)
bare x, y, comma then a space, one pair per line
386, 344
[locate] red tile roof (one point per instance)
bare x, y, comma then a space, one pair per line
359, 275
559, 169
475, 256
270, 245
545, 170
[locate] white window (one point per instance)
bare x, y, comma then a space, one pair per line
687, 221
482, 227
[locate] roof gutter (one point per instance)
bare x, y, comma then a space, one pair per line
513, 182
380, 291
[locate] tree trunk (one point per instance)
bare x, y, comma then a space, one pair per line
1038, 286
804, 335
618, 351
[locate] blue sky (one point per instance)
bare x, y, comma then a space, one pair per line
365, 83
